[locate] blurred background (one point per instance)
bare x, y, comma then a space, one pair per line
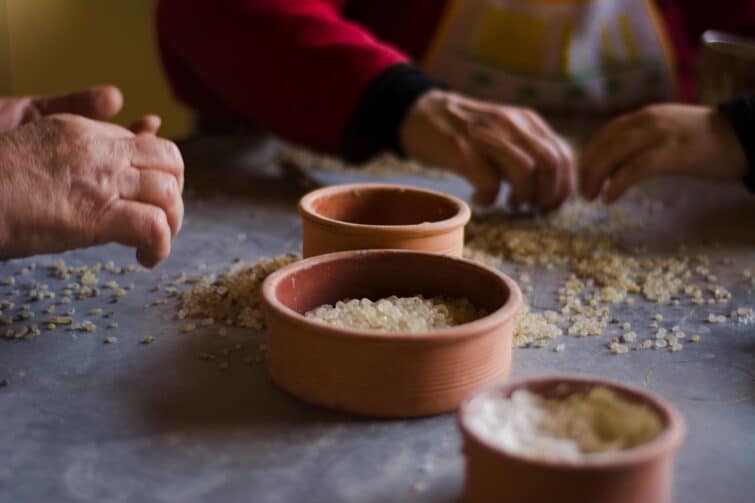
50, 46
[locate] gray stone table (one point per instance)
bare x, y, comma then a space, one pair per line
84, 421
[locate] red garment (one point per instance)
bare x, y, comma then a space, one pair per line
299, 67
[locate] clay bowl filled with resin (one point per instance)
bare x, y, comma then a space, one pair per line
381, 216
379, 373
624, 454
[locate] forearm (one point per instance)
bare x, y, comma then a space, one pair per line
740, 114
297, 68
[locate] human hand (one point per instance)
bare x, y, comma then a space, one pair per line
99, 103
487, 143
70, 182
667, 138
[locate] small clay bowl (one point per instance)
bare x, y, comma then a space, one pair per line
639, 475
368, 216
387, 374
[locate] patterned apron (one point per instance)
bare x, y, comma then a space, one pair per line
557, 55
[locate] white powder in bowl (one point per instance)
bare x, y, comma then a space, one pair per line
573, 428
397, 314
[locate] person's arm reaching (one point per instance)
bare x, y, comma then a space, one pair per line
670, 138
298, 68
70, 182
301, 70
67, 181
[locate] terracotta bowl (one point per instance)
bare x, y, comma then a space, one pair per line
368, 216
387, 374
639, 475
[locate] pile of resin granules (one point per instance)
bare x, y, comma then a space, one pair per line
397, 314
602, 273
383, 166
234, 297
599, 279
564, 428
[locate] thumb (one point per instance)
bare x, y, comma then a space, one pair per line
149, 124
99, 103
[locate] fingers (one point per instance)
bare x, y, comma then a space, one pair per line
16, 111
149, 124
143, 226
487, 142
516, 165
157, 188
158, 177
150, 209
100, 103
558, 184
149, 152
561, 146
547, 157
571, 172
648, 163
602, 158
485, 179
610, 131
515, 138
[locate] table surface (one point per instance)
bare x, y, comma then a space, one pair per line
87, 421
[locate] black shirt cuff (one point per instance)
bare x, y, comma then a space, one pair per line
377, 119
741, 115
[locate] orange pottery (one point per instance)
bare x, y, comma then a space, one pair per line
368, 216
639, 475
387, 374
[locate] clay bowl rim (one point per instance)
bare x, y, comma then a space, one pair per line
667, 442
470, 329
459, 219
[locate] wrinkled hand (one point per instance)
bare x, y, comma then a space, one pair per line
100, 103
69, 182
488, 143
669, 138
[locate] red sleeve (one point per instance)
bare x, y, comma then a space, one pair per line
294, 67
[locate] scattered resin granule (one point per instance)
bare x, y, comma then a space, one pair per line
573, 428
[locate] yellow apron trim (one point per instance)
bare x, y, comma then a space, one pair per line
627, 37
440, 33
523, 47
566, 48
519, 51
607, 51
668, 51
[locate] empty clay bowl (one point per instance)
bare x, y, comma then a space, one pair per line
368, 216
387, 374
642, 474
